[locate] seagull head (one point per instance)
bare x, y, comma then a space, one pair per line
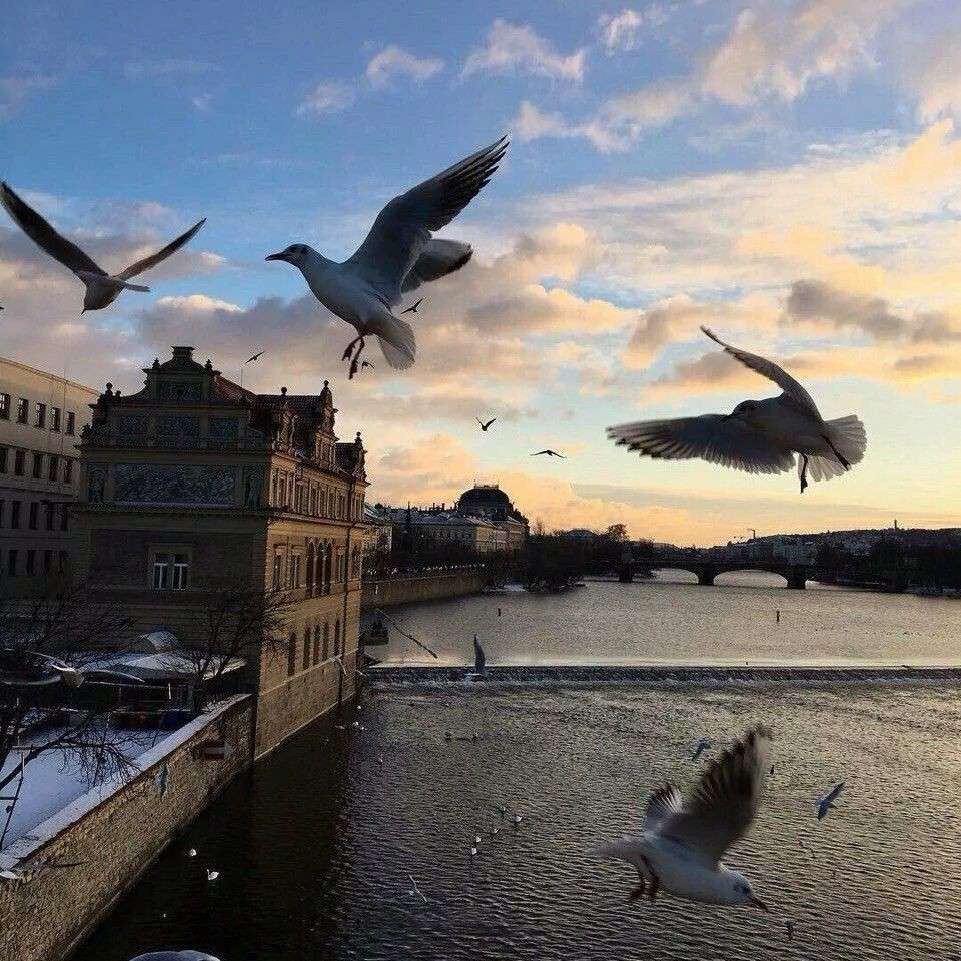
739, 891
744, 410
296, 254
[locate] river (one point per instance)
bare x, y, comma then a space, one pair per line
314, 848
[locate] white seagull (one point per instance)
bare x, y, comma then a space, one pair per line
758, 436
174, 956
827, 802
397, 256
683, 842
102, 288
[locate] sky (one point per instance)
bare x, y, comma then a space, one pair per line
787, 172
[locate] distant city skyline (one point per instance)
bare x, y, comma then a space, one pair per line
786, 172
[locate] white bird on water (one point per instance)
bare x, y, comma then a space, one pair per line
102, 288
683, 842
827, 802
758, 436
397, 256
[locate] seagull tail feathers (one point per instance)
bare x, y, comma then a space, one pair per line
850, 440
397, 342
625, 849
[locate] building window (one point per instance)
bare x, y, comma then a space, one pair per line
4, 407
31, 562
71, 421
305, 663
295, 571
316, 644
62, 562
63, 516
47, 562
12, 563
34, 510
3, 459
2, 505
52, 467
19, 459
40, 415
23, 410
326, 640
55, 419
15, 514
37, 465
68, 470
291, 654
49, 518
170, 571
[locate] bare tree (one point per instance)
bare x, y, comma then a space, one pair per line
236, 623
52, 699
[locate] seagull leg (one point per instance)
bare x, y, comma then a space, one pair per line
655, 880
804, 472
841, 458
638, 892
356, 361
350, 348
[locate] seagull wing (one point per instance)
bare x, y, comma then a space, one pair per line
664, 803
724, 804
141, 265
401, 232
713, 437
44, 236
835, 791
767, 368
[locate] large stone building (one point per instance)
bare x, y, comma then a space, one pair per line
195, 486
41, 416
491, 503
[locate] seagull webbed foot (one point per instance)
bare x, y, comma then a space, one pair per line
804, 472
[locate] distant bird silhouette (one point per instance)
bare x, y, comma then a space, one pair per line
485, 427
102, 288
366, 363
397, 256
255, 357
827, 802
758, 436
549, 452
413, 307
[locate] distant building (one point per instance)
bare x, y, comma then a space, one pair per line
41, 416
378, 530
438, 526
489, 502
195, 485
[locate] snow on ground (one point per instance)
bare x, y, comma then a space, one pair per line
54, 779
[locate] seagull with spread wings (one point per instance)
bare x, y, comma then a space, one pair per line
397, 256
485, 426
549, 452
684, 841
102, 288
758, 436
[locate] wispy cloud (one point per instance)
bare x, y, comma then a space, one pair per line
619, 32
202, 102
167, 68
17, 89
393, 62
518, 48
329, 96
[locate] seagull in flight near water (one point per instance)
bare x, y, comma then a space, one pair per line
827, 802
485, 427
683, 841
758, 436
549, 452
397, 256
102, 288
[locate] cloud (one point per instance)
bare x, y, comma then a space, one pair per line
770, 54
330, 96
393, 62
618, 32
165, 69
517, 48
202, 102
815, 300
17, 89
531, 123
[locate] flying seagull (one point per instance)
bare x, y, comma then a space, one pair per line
416, 890
256, 356
397, 256
827, 802
683, 841
23, 668
413, 307
703, 745
174, 956
102, 288
485, 427
549, 452
758, 436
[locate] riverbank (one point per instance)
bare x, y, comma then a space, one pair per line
432, 586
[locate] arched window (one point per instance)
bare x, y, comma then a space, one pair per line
311, 570
316, 644
326, 640
306, 656
328, 566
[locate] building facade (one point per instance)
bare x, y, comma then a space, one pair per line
195, 486
41, 416
489, 502
439, 526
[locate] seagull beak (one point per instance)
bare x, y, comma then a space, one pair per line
758, 903
279, 256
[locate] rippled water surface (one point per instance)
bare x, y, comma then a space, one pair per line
315, 847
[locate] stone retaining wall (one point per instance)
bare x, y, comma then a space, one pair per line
429, 587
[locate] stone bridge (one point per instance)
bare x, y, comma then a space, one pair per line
707, 567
